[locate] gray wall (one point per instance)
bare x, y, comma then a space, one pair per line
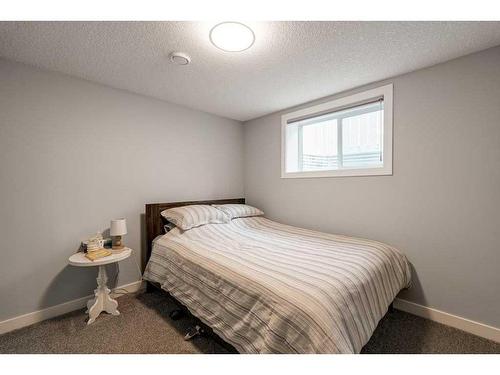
442, 204
74, 155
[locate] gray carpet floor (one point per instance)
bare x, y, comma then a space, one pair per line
144, 326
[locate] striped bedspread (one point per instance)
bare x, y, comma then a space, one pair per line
266, 287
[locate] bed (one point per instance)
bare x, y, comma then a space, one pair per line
266, 287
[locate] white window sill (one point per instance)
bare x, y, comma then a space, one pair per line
382, 171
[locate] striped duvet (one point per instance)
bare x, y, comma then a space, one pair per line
266, 287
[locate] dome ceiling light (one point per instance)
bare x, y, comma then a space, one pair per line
232, 36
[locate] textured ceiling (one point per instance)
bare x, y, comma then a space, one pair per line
290, 62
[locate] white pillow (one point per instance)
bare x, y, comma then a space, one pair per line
239, 210
187, 217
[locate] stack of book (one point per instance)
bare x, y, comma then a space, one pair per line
97, 254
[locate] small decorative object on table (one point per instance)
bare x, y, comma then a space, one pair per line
95, 248
117, 230
108, 242
94, 243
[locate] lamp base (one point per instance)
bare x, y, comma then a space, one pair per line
117, 243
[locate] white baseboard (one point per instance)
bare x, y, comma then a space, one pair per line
63, 308
476, 328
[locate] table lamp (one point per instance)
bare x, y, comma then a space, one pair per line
117, 230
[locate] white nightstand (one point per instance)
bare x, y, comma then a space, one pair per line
102, 300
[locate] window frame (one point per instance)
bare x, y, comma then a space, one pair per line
385, 92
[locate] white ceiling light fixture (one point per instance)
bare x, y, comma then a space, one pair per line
232, 36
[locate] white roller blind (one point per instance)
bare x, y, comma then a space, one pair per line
348, 138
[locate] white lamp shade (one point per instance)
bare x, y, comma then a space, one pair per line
118, 227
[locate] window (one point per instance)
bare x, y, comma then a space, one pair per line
351, 136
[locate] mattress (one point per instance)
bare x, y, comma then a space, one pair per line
267, 287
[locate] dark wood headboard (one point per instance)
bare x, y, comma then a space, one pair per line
155, 222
